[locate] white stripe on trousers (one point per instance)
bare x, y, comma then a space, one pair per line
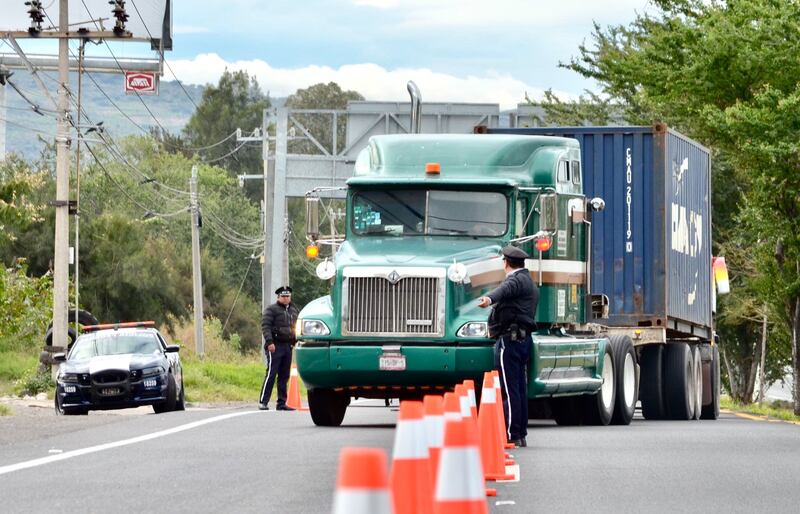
266, 377
505, 382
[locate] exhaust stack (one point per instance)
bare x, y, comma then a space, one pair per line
416, 107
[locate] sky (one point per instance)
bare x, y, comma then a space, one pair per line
481, 51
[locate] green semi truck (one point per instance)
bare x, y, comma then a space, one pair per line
427, 216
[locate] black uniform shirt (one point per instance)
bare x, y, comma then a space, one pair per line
513, 301
277, 323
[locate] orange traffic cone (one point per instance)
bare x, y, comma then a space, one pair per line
361, 487
459, 489
433, 406
473, 405
501, 416
293, 395
409, 479
467, 419
492, 454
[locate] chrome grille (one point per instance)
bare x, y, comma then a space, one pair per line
411, 306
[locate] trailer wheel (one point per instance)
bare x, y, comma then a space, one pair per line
651, 382
711, 410
680, 379
627, 383
697, 366
599, 407
327, 407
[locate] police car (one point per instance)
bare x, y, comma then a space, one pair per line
118, 366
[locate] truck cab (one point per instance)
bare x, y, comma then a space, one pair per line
427, 217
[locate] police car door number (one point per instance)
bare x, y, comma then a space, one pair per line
391, 359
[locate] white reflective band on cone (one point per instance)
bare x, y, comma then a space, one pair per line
462, 467
434, 428
410, 441
471, 395
452, 416
463, 402
361, 501
488, 395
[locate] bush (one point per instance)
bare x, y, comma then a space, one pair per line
34, 383
26, 305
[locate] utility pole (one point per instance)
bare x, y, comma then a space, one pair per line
78, 186
61, 257
197, 280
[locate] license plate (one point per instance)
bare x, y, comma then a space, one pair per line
109, 391
392, 362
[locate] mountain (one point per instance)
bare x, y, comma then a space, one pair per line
172, 108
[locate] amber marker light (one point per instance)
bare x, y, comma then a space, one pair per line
312, 251
543, 244
433, 168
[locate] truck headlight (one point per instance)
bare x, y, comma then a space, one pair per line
473, 329
457, 272
312, 327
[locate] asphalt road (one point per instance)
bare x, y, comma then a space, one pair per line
237, 459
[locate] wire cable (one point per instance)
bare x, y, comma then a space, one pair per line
236, 298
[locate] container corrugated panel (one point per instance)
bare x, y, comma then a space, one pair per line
651, 246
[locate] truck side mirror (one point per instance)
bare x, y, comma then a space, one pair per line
597, 204
312, 216
548, 213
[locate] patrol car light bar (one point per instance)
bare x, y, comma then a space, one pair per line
115, 326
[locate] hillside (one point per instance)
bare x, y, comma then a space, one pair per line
170, 107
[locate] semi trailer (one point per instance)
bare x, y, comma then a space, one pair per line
617, 223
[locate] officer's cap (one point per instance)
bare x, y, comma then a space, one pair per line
283, 291
514, 253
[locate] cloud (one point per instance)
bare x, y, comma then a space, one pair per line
444, 14
374, 82
189, 29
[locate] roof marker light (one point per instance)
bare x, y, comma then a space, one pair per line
543, 244
433, 168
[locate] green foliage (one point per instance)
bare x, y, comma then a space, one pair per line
5, 410
726, 73
14, 365
320, 126
17, 211
25, 308
33, 383
235, 102
590, 109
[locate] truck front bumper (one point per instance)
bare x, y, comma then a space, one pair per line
357, 367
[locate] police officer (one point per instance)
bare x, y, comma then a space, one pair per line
510, 323
277, 326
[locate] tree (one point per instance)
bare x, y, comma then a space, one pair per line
724, 73
320, 126
17, 211
236, 102
589, 109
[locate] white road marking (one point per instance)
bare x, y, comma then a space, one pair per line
116, 444
55, 450
505, 502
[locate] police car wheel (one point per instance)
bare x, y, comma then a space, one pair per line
66, 411
168, 404
181, 403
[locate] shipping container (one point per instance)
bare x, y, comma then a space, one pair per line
651, 246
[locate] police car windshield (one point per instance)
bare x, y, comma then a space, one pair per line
400, 212
114, 343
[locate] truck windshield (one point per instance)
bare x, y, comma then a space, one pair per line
430, 212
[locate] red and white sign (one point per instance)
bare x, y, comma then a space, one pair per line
141, 82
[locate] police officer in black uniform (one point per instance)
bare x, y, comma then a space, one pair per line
277, 326
510, 323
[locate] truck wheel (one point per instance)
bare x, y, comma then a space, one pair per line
627, 383
567, 411
679, 374
711, 411
172, 397
697, 364
599, 407
327, 407
651, 383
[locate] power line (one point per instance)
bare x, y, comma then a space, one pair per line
20, 125
236, 298
163, 59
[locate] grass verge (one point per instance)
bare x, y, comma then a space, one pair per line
15, 369
5, 410
776, 410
